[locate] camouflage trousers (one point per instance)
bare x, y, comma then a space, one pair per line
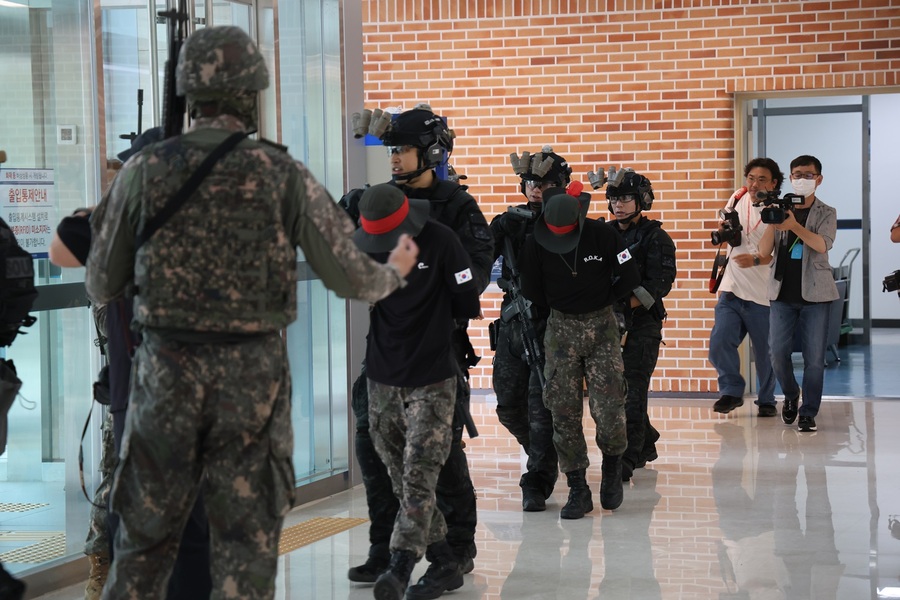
219, 410
412, 429
583, 348
97, 541
520, 407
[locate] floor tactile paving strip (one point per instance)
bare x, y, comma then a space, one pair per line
19, 506
314, 530
50, 545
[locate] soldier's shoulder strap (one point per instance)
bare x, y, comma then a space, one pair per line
271, 144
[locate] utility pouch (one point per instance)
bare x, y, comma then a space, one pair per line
492, 335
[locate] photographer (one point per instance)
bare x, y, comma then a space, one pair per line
520, 404
743, 306
801, 290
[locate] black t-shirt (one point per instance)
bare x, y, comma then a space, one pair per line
792, 282
409, 331
604, 271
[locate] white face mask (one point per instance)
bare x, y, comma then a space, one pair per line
804, 187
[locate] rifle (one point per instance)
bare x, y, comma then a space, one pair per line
174, 106
520, 308
134, 134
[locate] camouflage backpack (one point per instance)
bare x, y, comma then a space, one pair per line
17, 291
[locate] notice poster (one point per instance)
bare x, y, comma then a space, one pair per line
28, 206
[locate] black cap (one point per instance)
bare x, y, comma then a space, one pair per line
384, 214
150, 136
559, 227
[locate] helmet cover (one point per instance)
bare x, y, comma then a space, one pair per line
219, 62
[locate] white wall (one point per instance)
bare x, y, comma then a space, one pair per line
885, 175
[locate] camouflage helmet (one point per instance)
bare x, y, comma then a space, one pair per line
217, 62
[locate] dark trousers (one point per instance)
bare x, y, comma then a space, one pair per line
455, 492
520, 408
640, 354
191, 579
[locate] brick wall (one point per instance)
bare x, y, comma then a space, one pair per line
636, 83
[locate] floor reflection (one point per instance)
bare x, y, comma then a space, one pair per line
735, 507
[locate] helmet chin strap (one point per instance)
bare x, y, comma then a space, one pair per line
627, 217
405, 178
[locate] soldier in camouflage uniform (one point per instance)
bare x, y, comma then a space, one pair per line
580, 268
643, 310
190, 578
418, 142
213, 289
411, 379
520, 405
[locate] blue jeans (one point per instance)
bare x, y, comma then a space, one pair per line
812, 320
735, 318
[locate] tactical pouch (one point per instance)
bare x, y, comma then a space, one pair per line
101, 387
10, 384
492, 335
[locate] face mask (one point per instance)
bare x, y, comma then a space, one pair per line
804, 187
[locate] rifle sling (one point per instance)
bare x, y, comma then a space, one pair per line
190, 186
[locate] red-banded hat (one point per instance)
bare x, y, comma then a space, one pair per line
559, 227
384, 214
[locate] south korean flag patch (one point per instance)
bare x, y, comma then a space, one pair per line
623, 256
463, 276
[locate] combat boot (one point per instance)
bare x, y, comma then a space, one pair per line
533, 500
443, 575
392, 584
97, 577
611, 492
10, 587
579, 501
375, 565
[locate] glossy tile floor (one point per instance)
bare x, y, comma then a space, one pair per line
735, 507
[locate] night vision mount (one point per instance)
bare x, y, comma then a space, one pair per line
613, 176
529, 164
374, 122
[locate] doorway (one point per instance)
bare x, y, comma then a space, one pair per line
852, 135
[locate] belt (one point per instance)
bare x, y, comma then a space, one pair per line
581, 316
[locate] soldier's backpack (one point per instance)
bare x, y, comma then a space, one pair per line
17, 291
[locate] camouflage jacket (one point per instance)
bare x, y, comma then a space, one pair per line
301, 210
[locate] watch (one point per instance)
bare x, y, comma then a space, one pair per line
756, 260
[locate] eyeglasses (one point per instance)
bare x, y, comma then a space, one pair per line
760, 180
399, 149
799, 175
541, 185
623, 199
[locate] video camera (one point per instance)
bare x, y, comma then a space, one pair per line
730, 230
775, 207
891, 282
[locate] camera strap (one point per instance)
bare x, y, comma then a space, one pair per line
718, 271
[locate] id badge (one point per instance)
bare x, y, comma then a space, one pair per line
797, 251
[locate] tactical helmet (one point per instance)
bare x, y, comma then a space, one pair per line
632, 183
421, 128
219, 62
536, 167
